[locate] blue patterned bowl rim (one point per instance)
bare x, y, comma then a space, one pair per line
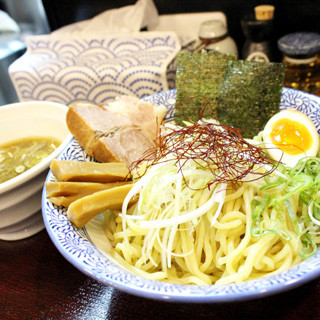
77, 247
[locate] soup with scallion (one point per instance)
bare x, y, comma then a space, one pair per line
20, 155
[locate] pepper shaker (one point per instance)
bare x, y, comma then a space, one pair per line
213, 35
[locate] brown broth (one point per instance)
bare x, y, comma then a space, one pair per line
20, 155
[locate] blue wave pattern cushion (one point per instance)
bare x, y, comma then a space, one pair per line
95, 70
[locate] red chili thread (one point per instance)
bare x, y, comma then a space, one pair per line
215, 147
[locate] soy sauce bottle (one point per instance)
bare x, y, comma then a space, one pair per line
258, 30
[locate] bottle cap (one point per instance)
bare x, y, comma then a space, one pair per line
300, 43
212, 29
264, 12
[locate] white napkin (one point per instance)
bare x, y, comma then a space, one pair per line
7, 24
126, 19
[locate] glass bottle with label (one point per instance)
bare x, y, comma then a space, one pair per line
301, 53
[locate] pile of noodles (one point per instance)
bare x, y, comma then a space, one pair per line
213, 209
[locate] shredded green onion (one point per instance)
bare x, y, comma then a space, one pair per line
303, 181
309, 247
257, 229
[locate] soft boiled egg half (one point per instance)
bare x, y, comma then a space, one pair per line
289, 136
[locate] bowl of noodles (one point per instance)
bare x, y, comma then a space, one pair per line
234, 262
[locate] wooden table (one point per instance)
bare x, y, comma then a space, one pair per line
38, 283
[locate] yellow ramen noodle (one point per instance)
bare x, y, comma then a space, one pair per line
208, 249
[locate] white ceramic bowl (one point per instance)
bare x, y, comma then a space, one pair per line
87, 248
20, 197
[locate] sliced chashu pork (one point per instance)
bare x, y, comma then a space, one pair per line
120, 131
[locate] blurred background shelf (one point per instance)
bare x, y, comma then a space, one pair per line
44, 16
290, 15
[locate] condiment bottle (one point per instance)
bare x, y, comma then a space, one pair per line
213, 35
301, 53
258, 29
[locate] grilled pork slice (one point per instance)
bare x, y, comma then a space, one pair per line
120, 131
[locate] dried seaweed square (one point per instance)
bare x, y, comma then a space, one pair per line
199, 75
249, 95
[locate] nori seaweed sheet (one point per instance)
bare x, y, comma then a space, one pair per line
243, 94
250, 95
198, 73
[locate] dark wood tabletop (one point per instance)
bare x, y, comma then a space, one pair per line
38, 283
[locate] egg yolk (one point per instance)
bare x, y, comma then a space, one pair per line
290, 136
